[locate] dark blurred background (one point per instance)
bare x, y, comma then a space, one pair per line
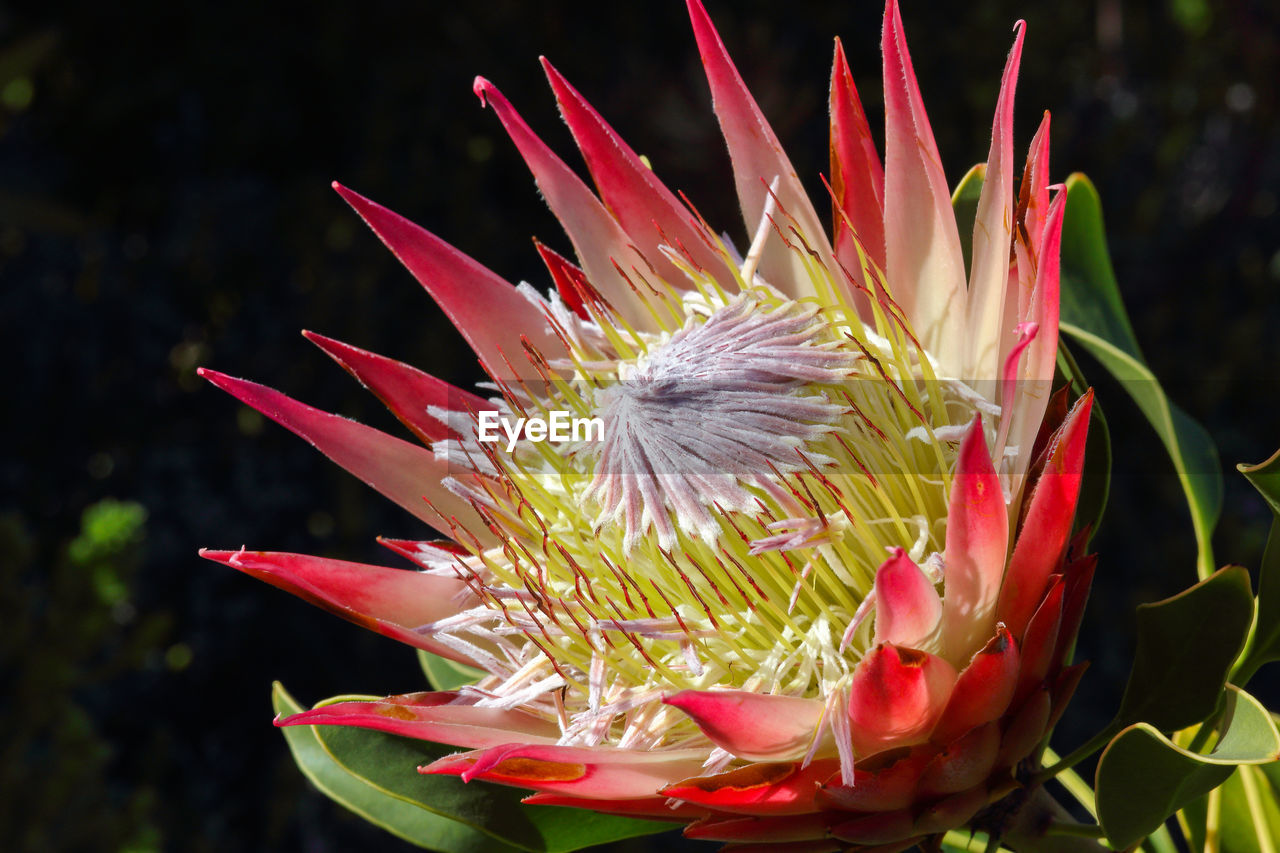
165, 204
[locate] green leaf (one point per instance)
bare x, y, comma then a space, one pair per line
387, 764
1243, 822
1264, 644
964, 201
1186, 646
1143, 777
1265, 477
444, 674
1093, 314
411, 822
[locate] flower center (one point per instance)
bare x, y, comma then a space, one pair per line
757, 464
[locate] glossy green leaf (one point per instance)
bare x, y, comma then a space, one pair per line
407, 820
1246, 820
1186, 646
964, 201
1143, 777
387, 764
444, 674
1264, 645
1265, 477
1093, 314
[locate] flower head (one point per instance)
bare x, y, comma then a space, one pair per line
809, 580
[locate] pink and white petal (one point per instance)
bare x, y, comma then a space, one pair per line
648, 211
757, 159
490, 314
405, 390
924, 264
1040, 358
1046, 522
406, 473
857, 176
1033, 191
598, 239
590, 773
1013, 391
754, 726
993, 233
653, 808
1029, 219
908, 608
392, 602
984, 688
976, 549
896, 697
439, 717
757, 789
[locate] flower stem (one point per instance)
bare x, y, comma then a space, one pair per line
1077, 755
1161, 841
1212, 820
1044, 826
1074, 784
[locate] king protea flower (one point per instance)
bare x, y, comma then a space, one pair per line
813, 587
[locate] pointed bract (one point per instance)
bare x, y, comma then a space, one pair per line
993, 234
857, 176
601, 245
760, 831
896, 697
405, 390
755, 726
491, 314
923, 261
649, 213
1040, 358
653, 808
406, 473
907, 606
392, 602
440, 717
1042, 536
983, 689
758, 159
598, 774
759, 788
977, 546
